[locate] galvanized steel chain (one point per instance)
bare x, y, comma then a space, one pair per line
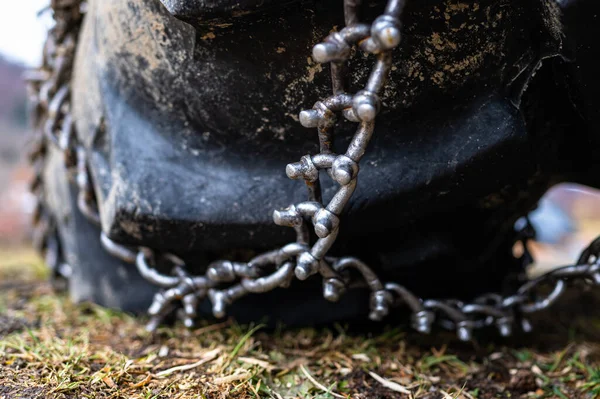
302, 259
226, 281
49, 95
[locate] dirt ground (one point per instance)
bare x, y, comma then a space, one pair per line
50, 348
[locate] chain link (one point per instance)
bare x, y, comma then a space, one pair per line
49, 95
226, 281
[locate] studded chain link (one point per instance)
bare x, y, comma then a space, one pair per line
226, 281
49, 91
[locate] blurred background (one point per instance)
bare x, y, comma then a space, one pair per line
567, 220
23, 26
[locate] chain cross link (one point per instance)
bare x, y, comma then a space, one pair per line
226, 281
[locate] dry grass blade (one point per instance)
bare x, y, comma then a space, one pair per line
143, 382
257, 362
109, 381
394, 386
446, 394
231, 378
209, 356
318, 384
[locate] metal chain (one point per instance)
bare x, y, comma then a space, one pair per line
49, 95
226, 281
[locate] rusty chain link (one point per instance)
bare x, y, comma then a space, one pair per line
226, 281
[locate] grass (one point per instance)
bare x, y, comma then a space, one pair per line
51, 348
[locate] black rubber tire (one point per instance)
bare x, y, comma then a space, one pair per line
96, 276
100, 278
